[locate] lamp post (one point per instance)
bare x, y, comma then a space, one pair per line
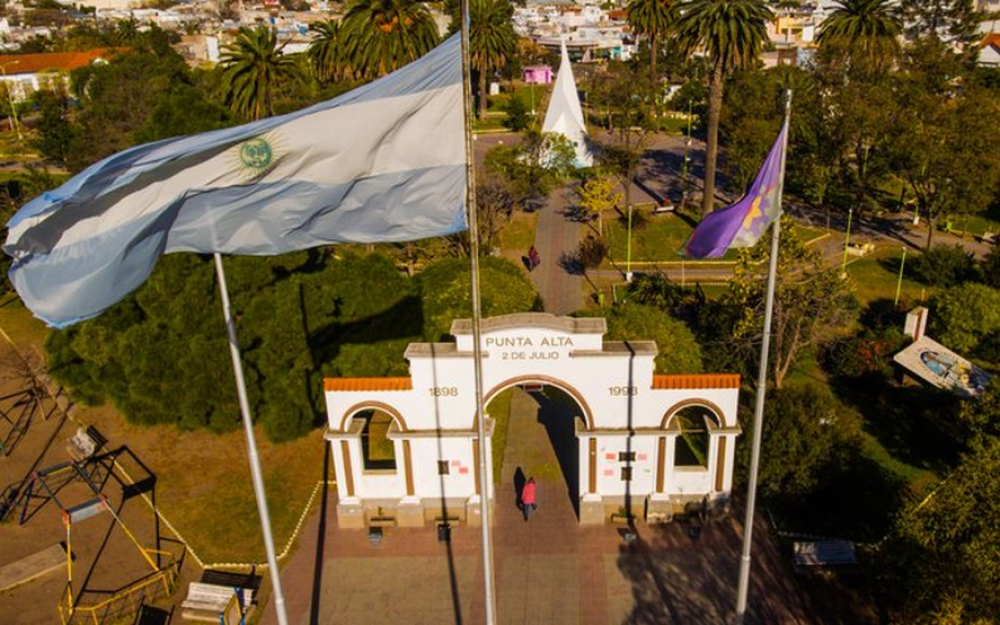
14, 124
628, 247
847, 241
899, 283
687, 161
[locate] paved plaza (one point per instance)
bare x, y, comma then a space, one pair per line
548, 570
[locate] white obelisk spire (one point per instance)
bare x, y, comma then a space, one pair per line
565, 115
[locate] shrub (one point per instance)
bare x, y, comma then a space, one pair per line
943, 266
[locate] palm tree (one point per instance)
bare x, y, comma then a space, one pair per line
384, 35
252, 66
651, 19
491, 40
868, 27
732, 33
326, 51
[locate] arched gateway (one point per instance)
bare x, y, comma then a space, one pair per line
656, 442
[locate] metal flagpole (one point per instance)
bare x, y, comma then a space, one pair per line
255, 471
758, 415
489, 596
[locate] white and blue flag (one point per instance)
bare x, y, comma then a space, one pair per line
385, 162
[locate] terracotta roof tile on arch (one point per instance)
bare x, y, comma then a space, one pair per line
696, 380
368, 384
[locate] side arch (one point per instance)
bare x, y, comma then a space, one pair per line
373, 405
703, 403
587, 416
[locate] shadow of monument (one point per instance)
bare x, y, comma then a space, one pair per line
558, 415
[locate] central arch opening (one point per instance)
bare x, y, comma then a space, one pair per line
535, 436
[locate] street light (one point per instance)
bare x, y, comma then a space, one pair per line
14, 124
847, 241
628, 247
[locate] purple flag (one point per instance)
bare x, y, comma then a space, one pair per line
742, 223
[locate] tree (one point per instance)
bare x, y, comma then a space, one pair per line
857, 105
980, 417
628, 98
491, 41
965, 315
732, 33
940, 564
812, 305
56, 133
651, 19
679, 352
534, 165
954, 21
496, 201
806, 433
863, 28
597, 195
117, 98
445, 288
327, 51
253, 68
943, 126
384, 35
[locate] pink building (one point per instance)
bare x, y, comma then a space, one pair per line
537, 74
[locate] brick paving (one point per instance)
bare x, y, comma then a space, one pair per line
547, 570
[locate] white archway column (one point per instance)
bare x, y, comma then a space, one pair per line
591, 503
345, 447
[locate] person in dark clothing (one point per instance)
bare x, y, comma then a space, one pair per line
533, 258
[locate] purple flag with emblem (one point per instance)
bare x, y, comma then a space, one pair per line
742, 223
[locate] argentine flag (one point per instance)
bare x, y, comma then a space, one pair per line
385, 162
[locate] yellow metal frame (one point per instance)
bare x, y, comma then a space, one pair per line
134, 594
72, 613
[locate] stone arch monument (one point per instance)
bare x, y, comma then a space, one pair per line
654, 443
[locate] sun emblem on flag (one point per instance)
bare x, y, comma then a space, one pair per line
257, 156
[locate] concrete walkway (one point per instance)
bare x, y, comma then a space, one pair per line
556, 235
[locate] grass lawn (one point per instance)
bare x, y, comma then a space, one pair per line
24, 330
499, 411
518, 235
663, 235
875, 277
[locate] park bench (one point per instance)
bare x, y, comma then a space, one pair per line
30, 567
85, 443
823, 553
664, 208
206, 602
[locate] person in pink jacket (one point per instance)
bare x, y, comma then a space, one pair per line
528, 498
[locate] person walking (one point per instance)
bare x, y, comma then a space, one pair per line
533, 259
528, 502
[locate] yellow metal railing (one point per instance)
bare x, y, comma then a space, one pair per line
126, 601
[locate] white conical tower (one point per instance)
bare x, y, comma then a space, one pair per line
565, 115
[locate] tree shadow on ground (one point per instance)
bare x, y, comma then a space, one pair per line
685, 572
916, 424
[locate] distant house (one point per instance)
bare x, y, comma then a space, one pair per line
989, 53
537, 74
24, 74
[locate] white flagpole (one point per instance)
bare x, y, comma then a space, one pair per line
255, 470
489, 596
758, 418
